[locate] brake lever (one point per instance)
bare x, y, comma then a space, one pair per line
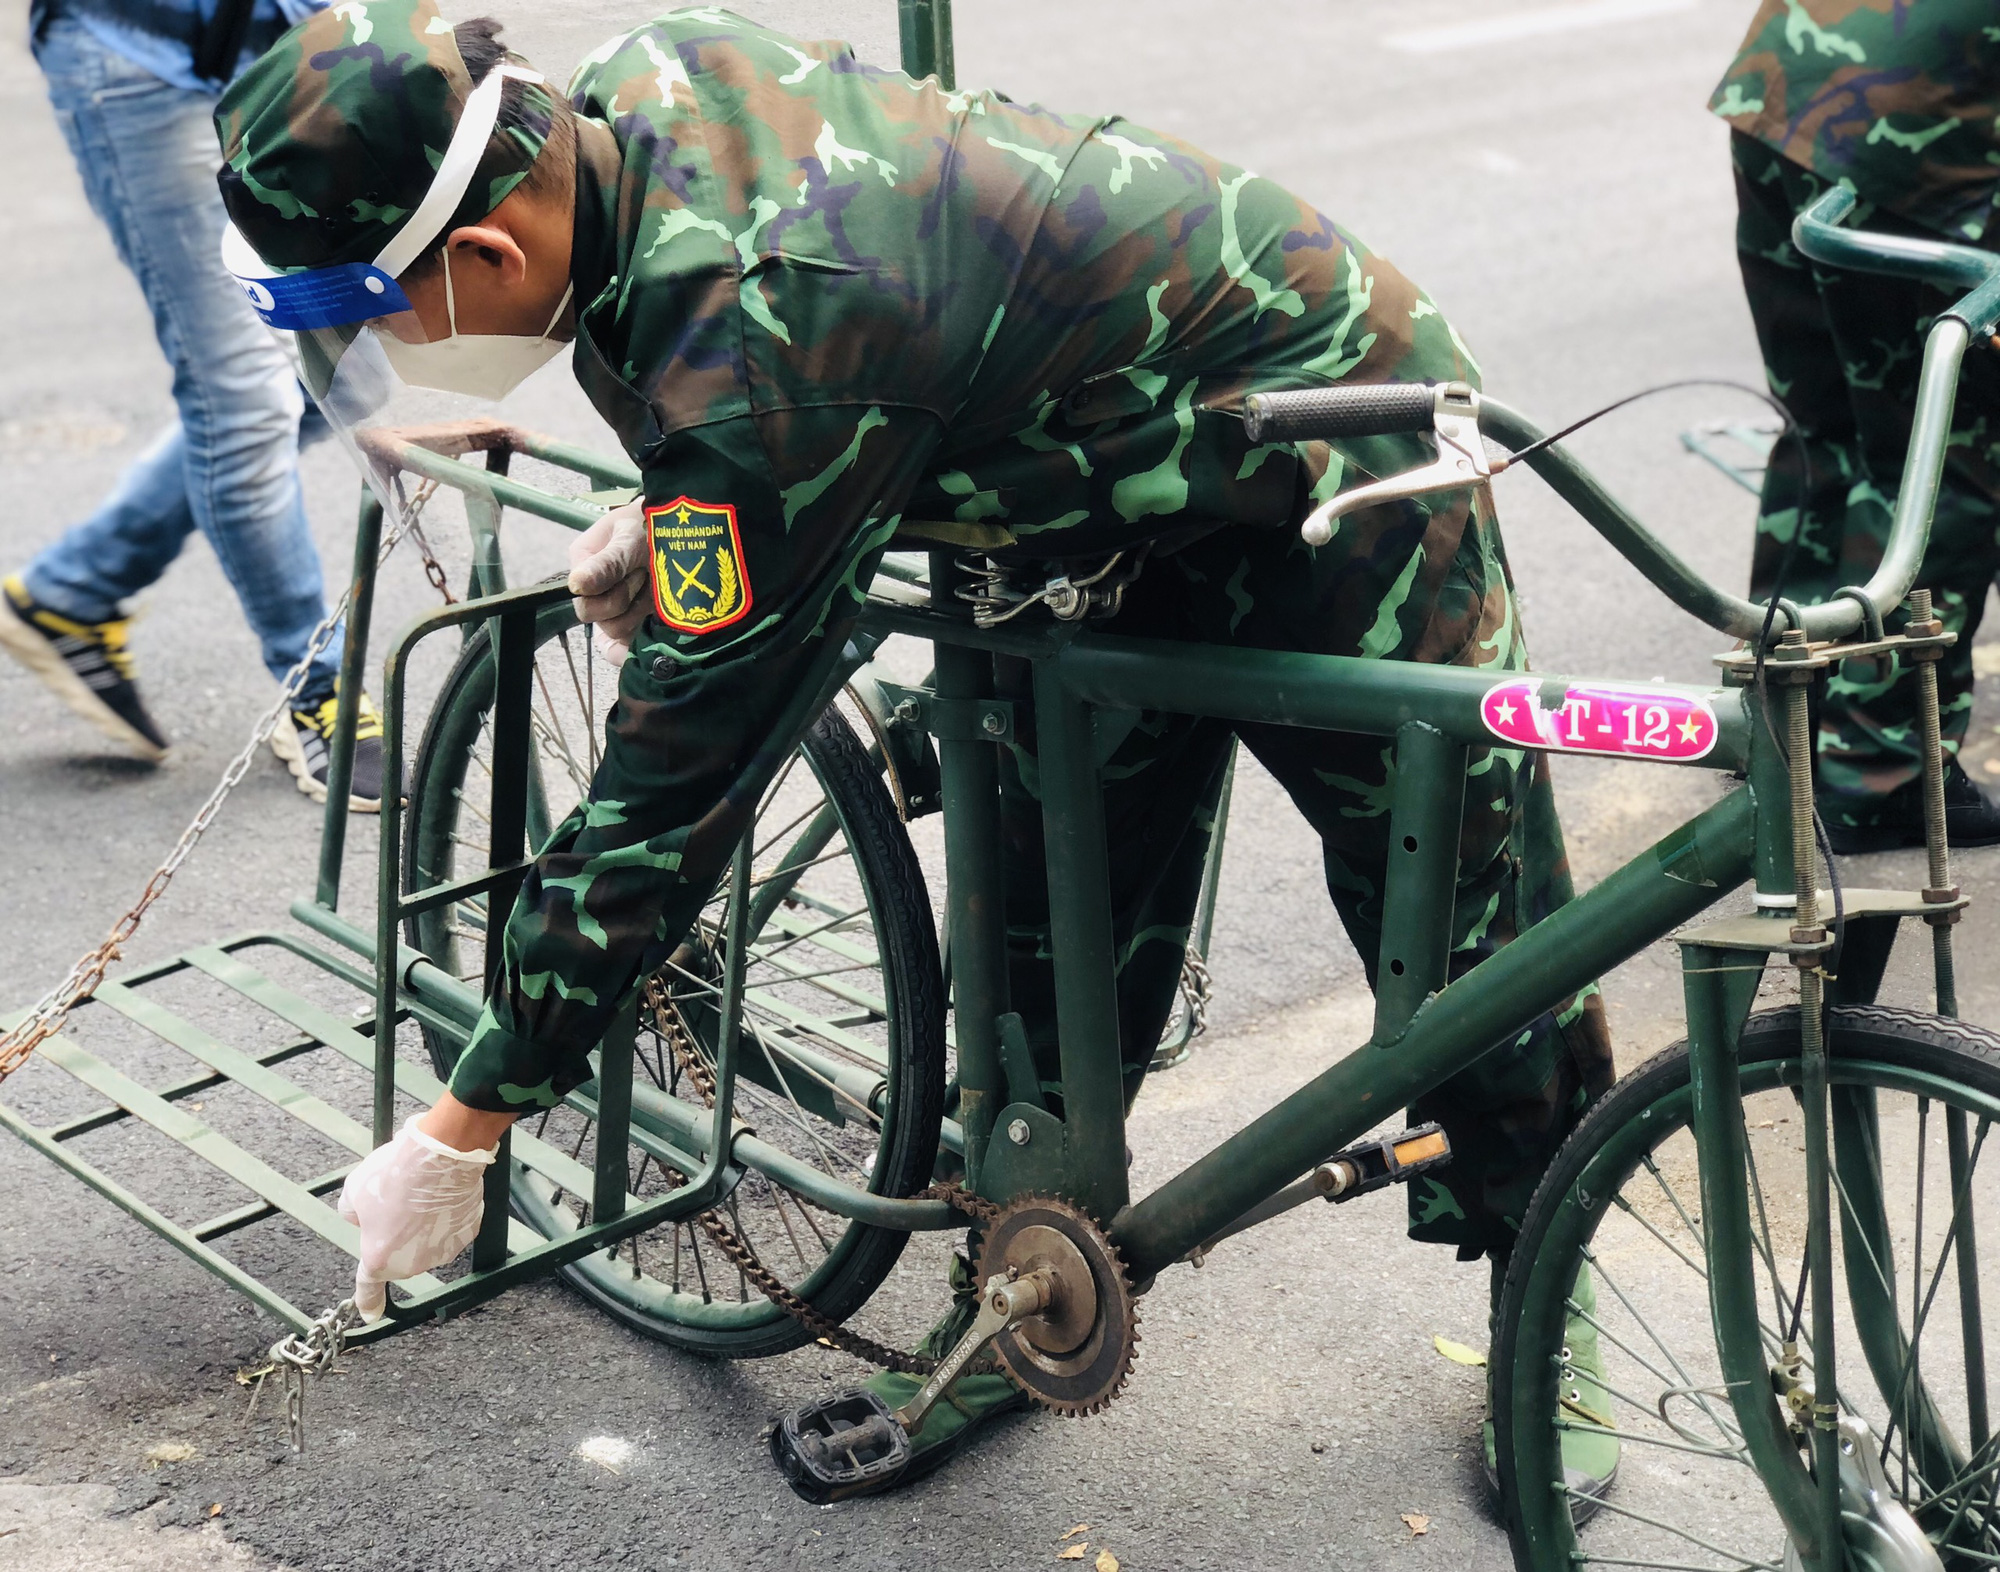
1461, 461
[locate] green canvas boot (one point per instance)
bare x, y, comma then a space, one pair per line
1589, 1435
851, 1445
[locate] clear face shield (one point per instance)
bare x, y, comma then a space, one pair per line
380, 377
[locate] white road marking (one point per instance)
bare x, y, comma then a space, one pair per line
1530, 24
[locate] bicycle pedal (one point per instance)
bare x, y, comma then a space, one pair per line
1395, 1159
840, 1446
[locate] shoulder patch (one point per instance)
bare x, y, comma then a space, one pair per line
700, 581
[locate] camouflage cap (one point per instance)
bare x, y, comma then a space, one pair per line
330, 139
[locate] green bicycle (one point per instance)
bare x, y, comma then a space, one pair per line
1775, 1188
1770, 1234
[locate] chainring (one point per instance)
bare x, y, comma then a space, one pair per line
1075, 1358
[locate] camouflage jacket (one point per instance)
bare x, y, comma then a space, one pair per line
820, 296
1901, 98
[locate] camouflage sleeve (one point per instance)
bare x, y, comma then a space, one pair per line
765, 531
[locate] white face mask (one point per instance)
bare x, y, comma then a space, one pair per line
481, 365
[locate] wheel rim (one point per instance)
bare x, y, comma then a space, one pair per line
1686, 1496
817, 1076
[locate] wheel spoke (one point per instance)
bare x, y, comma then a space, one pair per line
1764, 1227
1687, 1381
1929, 1296
1743, 1562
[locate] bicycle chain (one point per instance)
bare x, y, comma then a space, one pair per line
740, 1253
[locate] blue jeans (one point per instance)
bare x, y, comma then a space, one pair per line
229, 466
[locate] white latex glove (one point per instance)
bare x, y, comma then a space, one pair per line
417, 1203
610, 576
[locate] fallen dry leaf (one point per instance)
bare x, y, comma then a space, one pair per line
1106, 1561
1081, 1528
216, 1510
1458, 1353
1072, 1553
1419, 1524
168, 1452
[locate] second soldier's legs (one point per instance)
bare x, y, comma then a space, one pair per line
1843, 349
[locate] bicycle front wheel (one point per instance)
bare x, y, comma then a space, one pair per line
1914, 1099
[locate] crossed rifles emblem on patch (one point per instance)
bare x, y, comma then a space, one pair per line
699, 579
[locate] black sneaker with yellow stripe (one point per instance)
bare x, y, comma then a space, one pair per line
304, 740
85, 664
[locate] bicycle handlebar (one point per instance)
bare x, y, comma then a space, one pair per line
1818, 234
1349, 411
1373, 411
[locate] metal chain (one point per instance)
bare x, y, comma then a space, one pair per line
52, 1011
1197, 988
313, 1354
666, 1021
433, 569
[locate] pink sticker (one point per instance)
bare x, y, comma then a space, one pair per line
1633, 723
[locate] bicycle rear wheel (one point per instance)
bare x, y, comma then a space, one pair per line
842, 1062
1914, 1100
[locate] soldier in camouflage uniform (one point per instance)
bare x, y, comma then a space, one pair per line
816, 299
1902, 102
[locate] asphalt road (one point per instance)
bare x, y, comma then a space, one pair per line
1561, 194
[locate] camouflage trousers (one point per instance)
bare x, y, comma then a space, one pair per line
1401, 585
1842, 349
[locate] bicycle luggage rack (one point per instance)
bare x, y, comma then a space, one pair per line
401, 983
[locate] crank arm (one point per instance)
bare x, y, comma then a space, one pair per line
1461, 461
1006, 1303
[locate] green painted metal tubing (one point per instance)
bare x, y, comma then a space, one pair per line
70, 1129
184, 1240
688, 1127
606, 469
1424, 825
537, 1261
975, 896
260, 1080
1817, 232
262, 1211
1080, 935
1871, 1292
444, 894
343, 1037
1330, 692
1818, 235
474, 481
220, 1153
513, 613
1574, 946
614, 1113
927, 40
951, 628
1720, 1146
353, 673
1631, 539
1732, 614
422, 978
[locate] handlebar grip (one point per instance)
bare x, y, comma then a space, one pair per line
1338, 412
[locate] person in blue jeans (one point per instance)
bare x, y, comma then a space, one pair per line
124, 77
